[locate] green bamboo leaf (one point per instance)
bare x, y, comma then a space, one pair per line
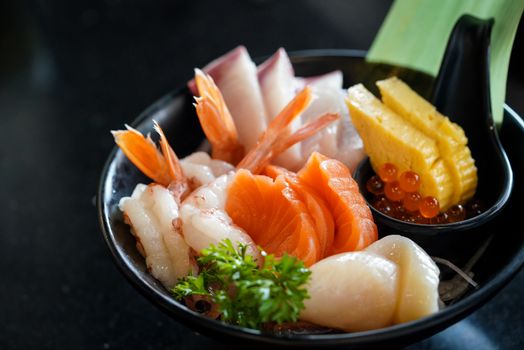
415, 33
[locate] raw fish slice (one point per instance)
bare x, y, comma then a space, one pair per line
278, 85
354, 291
350, 148
329, 80
277, 82
318, 209
326, 88
236, 77
340, 140
418, 277
272, 213
354, 225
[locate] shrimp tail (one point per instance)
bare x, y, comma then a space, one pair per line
163, 167
216, 120
277, 138
179, 185
172, 161
304, 132
143, 153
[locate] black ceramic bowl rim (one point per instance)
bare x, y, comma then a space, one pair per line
418, 328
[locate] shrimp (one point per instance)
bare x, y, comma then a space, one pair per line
236, 75
216, 120
153, 211
201, 169
162, 167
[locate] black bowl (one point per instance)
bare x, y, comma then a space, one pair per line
500, 262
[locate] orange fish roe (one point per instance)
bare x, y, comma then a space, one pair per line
387, 172
393, 191
412, 201
397, 196
429, 207
409, 181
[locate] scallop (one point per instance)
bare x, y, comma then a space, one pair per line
418, 277
353, 291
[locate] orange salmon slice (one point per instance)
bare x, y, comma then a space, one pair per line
271, 212
332, 181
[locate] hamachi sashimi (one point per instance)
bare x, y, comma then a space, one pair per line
236, 77
340, 140
278, 85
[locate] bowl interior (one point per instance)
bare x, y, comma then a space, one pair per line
175, 113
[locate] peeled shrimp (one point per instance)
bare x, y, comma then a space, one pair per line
205, 221
153, 214
201, 169
391, 281
153, 211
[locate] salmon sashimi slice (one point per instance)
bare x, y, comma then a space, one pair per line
318, 209
271, 212
331, 179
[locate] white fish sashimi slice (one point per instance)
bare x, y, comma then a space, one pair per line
278, 85
236, 77
350, 148
326, 88
353, 291
418, 277
151, 211
339, 140
331, 80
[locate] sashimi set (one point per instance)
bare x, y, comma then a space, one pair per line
270, 230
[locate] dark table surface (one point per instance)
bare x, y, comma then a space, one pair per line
70, 71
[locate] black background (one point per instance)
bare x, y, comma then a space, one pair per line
70, 71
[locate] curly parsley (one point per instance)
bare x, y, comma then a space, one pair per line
247, 295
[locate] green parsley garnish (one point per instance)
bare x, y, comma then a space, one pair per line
247, 295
